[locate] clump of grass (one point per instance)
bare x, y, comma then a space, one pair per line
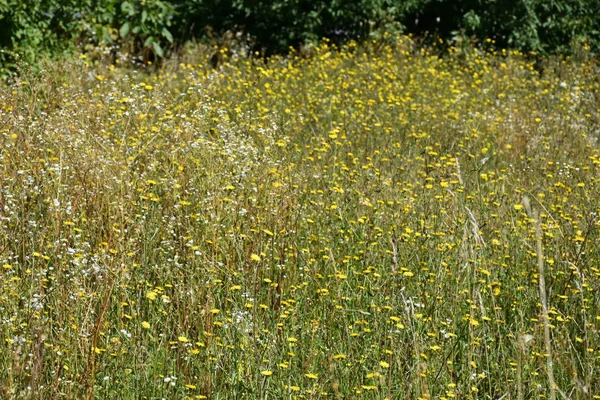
348, 225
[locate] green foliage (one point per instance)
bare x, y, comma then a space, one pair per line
280, 24
31, 28
100, 18
151, 28
532, 25
146, 25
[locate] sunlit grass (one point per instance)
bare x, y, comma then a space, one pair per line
363, 223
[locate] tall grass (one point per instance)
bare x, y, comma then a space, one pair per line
370, 222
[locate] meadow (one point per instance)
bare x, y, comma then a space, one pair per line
378, 221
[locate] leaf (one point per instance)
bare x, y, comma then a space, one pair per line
106, 36
144, 16
157, 49
167, 35
149, 40
127, 8
124, 29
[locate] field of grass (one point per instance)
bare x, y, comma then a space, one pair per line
372, 222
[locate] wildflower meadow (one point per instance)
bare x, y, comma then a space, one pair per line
383, 220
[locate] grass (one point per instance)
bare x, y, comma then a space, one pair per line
368, 222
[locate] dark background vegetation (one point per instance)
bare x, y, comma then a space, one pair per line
150, 29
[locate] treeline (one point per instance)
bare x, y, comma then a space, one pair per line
30, 29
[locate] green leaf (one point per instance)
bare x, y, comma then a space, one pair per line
167, 35
124, 29
106, 37
157, 49
149, 40
127, 8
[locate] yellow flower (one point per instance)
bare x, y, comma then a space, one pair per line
311, 376
384, 364
255, 257
266, 373
146, 325
183, 339
151, 295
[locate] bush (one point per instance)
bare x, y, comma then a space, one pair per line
32, 29
544, 26
150, 28
280, 24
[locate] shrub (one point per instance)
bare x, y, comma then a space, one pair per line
531, 25
280, 24
150, 28
32, 29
